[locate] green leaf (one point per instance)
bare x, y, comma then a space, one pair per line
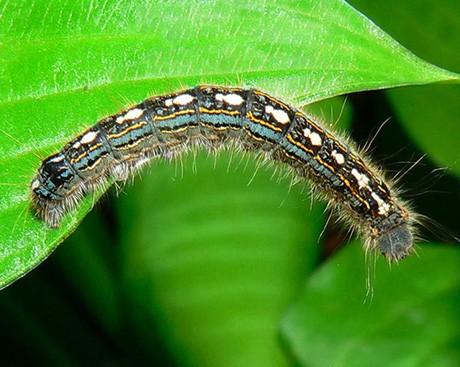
435, 128
410, 318
212, 266
64, 65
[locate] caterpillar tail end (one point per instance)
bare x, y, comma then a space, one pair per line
396, 243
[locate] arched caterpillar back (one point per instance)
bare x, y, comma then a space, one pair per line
214, 117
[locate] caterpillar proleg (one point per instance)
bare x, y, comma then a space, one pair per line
216, 117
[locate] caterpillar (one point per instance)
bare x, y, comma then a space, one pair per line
215, 117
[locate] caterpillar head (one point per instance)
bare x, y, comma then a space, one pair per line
50, 188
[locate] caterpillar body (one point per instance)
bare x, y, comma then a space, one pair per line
215, 117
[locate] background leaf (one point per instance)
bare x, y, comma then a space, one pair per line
407, 321
216, 263
437, 123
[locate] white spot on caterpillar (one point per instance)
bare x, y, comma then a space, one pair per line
130, 115
362, 179
232, 99
35, 184
339, 158
57, 159
89, 137
383, 207
279, 115
134, 114
182, 100
168, 102
314, 137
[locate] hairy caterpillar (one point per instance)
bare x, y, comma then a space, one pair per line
215, 117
